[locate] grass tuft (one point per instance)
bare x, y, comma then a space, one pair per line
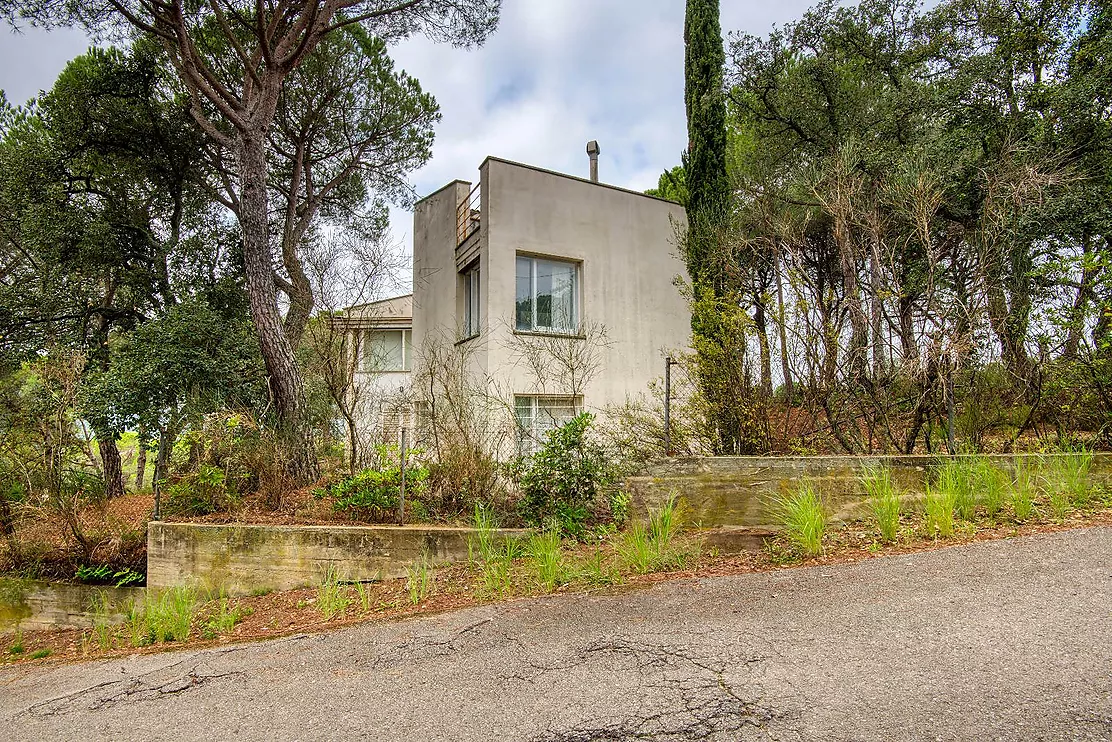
651, 548
332, 596
417, 580
1069, 478
939, 505
884, 500
546, 558
803, 517
164, 616
225, 619
1023, 491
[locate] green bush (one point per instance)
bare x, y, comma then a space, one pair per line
198, 493
567, 480
373, 494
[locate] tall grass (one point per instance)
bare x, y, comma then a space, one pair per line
491, 554
883, 500
332, 596
991, 486
803, 517
651, 548
547, 559
164, 616
955, 481
418, 577
1070, 477
102, 613
1023, 491
939, 505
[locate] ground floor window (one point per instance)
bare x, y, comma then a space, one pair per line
537, 415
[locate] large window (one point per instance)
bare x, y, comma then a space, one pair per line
471, 301
387, 350
536, 416
547, 295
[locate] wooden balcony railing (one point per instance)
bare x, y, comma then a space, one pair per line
467, 216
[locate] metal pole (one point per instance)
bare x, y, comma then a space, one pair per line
157, 499
668, 406
401, 491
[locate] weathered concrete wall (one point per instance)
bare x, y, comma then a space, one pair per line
739, 490
243, 558
28, 604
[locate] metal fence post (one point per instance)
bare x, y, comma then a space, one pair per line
401, 490
668, 406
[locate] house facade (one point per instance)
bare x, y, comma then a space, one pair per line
558, 290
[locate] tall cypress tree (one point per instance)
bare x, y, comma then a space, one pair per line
708, 186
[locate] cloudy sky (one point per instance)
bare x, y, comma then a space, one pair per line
556, 74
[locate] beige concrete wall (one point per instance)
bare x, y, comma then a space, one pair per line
243, 558
739, 490
623, 240
624, 243
28, 604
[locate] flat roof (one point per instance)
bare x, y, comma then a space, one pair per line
588, 181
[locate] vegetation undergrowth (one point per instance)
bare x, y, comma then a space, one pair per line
802, 515
883, 500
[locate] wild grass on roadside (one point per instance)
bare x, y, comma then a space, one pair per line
332, 596
1024, 491
164, 616
991, 486
650, 548
1069, 478
227, 615
883, 500
802, 515
101, 610
938, 507
547, 559
955, 481
418, 577
364, 596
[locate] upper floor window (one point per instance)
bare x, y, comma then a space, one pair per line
387, 350
547, 295
471, 301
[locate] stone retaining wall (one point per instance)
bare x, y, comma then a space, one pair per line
29, 604
739, 490
245, 558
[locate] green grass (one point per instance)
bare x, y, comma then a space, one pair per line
1024, 491
651, 548
991, 486
17, 643
938, 505
332, 596
595, 571
883, 500
364, 596
40, 654
225, 619
417, 580
102, 614
546, 559
164, 616
955, 480
802, 515
1069, 478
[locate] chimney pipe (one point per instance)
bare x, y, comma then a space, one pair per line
593, 152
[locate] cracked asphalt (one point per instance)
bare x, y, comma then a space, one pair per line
1008, 640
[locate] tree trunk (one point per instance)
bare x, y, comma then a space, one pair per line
140, 464
113, 467
281, 364
781, 325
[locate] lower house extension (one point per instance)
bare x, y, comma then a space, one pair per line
555, 293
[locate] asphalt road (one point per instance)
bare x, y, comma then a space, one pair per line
1002, 640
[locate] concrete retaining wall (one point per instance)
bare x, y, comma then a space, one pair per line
28, 604
739, 490
245, 558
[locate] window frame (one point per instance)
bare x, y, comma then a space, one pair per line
530, 438
576, 297
406, 351
472, 306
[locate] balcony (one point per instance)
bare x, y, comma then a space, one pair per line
467, 216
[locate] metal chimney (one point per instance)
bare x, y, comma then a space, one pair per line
593, 152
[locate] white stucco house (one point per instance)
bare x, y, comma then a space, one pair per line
560, 290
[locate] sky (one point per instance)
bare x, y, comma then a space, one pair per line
555, 74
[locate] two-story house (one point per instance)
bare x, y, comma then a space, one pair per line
561, 289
